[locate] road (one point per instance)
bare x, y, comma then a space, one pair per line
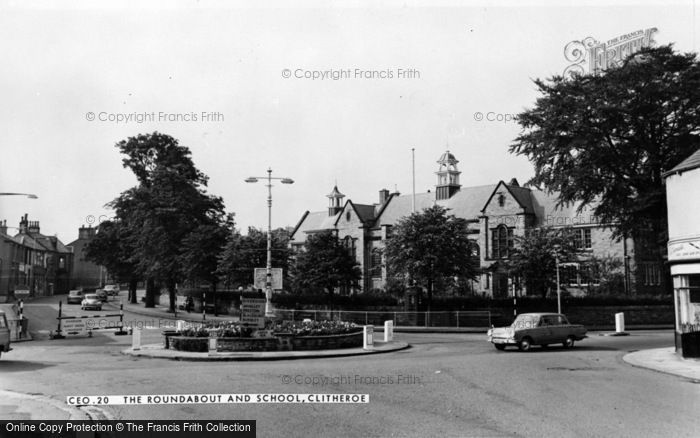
445, 385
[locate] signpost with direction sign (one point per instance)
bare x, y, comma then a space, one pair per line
261, 277
253, 312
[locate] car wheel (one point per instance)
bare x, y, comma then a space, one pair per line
500, 347
525, 344
569, 343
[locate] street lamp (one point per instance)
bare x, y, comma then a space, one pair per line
28, 195
556, 258
268, 270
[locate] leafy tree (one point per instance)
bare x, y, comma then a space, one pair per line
533, 257
242, 254
167, 208
111, 249
325, 263
607, 275
430, 246
606, 139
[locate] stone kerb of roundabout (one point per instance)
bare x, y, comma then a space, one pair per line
277, 340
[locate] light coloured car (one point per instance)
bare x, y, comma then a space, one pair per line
112, 289
91, 301
4, 334
75, 296
543, 329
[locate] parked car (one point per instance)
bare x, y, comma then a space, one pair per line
112, 289
4, 334
91, 301
102, 295
543, 329
75, 296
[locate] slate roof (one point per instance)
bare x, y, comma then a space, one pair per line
692, 162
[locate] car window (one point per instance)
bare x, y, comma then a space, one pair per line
3, 323
526, 321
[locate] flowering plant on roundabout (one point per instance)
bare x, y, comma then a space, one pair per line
229, 329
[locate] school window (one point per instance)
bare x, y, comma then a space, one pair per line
582, 238
376, 263
652, 274
350, 246
501, 242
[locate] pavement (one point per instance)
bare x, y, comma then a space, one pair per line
665, 360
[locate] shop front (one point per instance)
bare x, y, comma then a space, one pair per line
683, 199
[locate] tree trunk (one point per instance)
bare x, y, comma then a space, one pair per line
133, 283
171, 296
150, 293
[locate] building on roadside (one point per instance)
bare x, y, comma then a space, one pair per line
682, 195
496, 213
32, 262
84, 273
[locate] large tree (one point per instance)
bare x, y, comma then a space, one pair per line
534, 257
168, 213
429, 246
325, 263
606, 139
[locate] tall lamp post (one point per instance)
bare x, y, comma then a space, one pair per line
556, 258
268, 270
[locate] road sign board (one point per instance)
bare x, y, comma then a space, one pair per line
261, 277
74, 326
253, 312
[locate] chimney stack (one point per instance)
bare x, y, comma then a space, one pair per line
86, 233
383, 196
3, 226
34, 227
23, 224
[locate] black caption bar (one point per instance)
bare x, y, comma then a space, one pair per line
128, 429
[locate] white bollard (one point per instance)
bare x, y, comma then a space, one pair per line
180, 325
212, 346
388, 331
136, 338
368, 337
619, 322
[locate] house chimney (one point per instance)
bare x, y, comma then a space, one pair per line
514, 183
383, 196
34, 227
86, 233
3, 227
23, 224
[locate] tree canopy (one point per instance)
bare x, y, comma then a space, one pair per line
534, 257
606, 139
324, 263
431, 245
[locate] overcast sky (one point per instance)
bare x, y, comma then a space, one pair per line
187, 58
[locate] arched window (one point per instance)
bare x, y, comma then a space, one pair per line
476, 251
501, 241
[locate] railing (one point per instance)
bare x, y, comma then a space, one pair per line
458, 318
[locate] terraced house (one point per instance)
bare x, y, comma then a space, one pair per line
496, 213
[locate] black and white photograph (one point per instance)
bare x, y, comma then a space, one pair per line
349, 218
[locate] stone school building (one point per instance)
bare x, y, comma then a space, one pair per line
496, 214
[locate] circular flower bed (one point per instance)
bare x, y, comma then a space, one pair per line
276, 336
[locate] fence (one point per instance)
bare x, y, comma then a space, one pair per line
459, 318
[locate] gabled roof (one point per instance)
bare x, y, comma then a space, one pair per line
690, 163
521, 195
314, 221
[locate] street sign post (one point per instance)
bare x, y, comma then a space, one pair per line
261, 278
253, 312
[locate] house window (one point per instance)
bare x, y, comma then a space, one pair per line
376, 263
652, 274
476, 251
582, 238
568, 274
501, 241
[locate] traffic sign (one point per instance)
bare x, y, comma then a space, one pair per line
253, 312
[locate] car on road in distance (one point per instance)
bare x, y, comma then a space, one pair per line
91, 301
4, 334
75, 296
111, 289
102, 295
543, 329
